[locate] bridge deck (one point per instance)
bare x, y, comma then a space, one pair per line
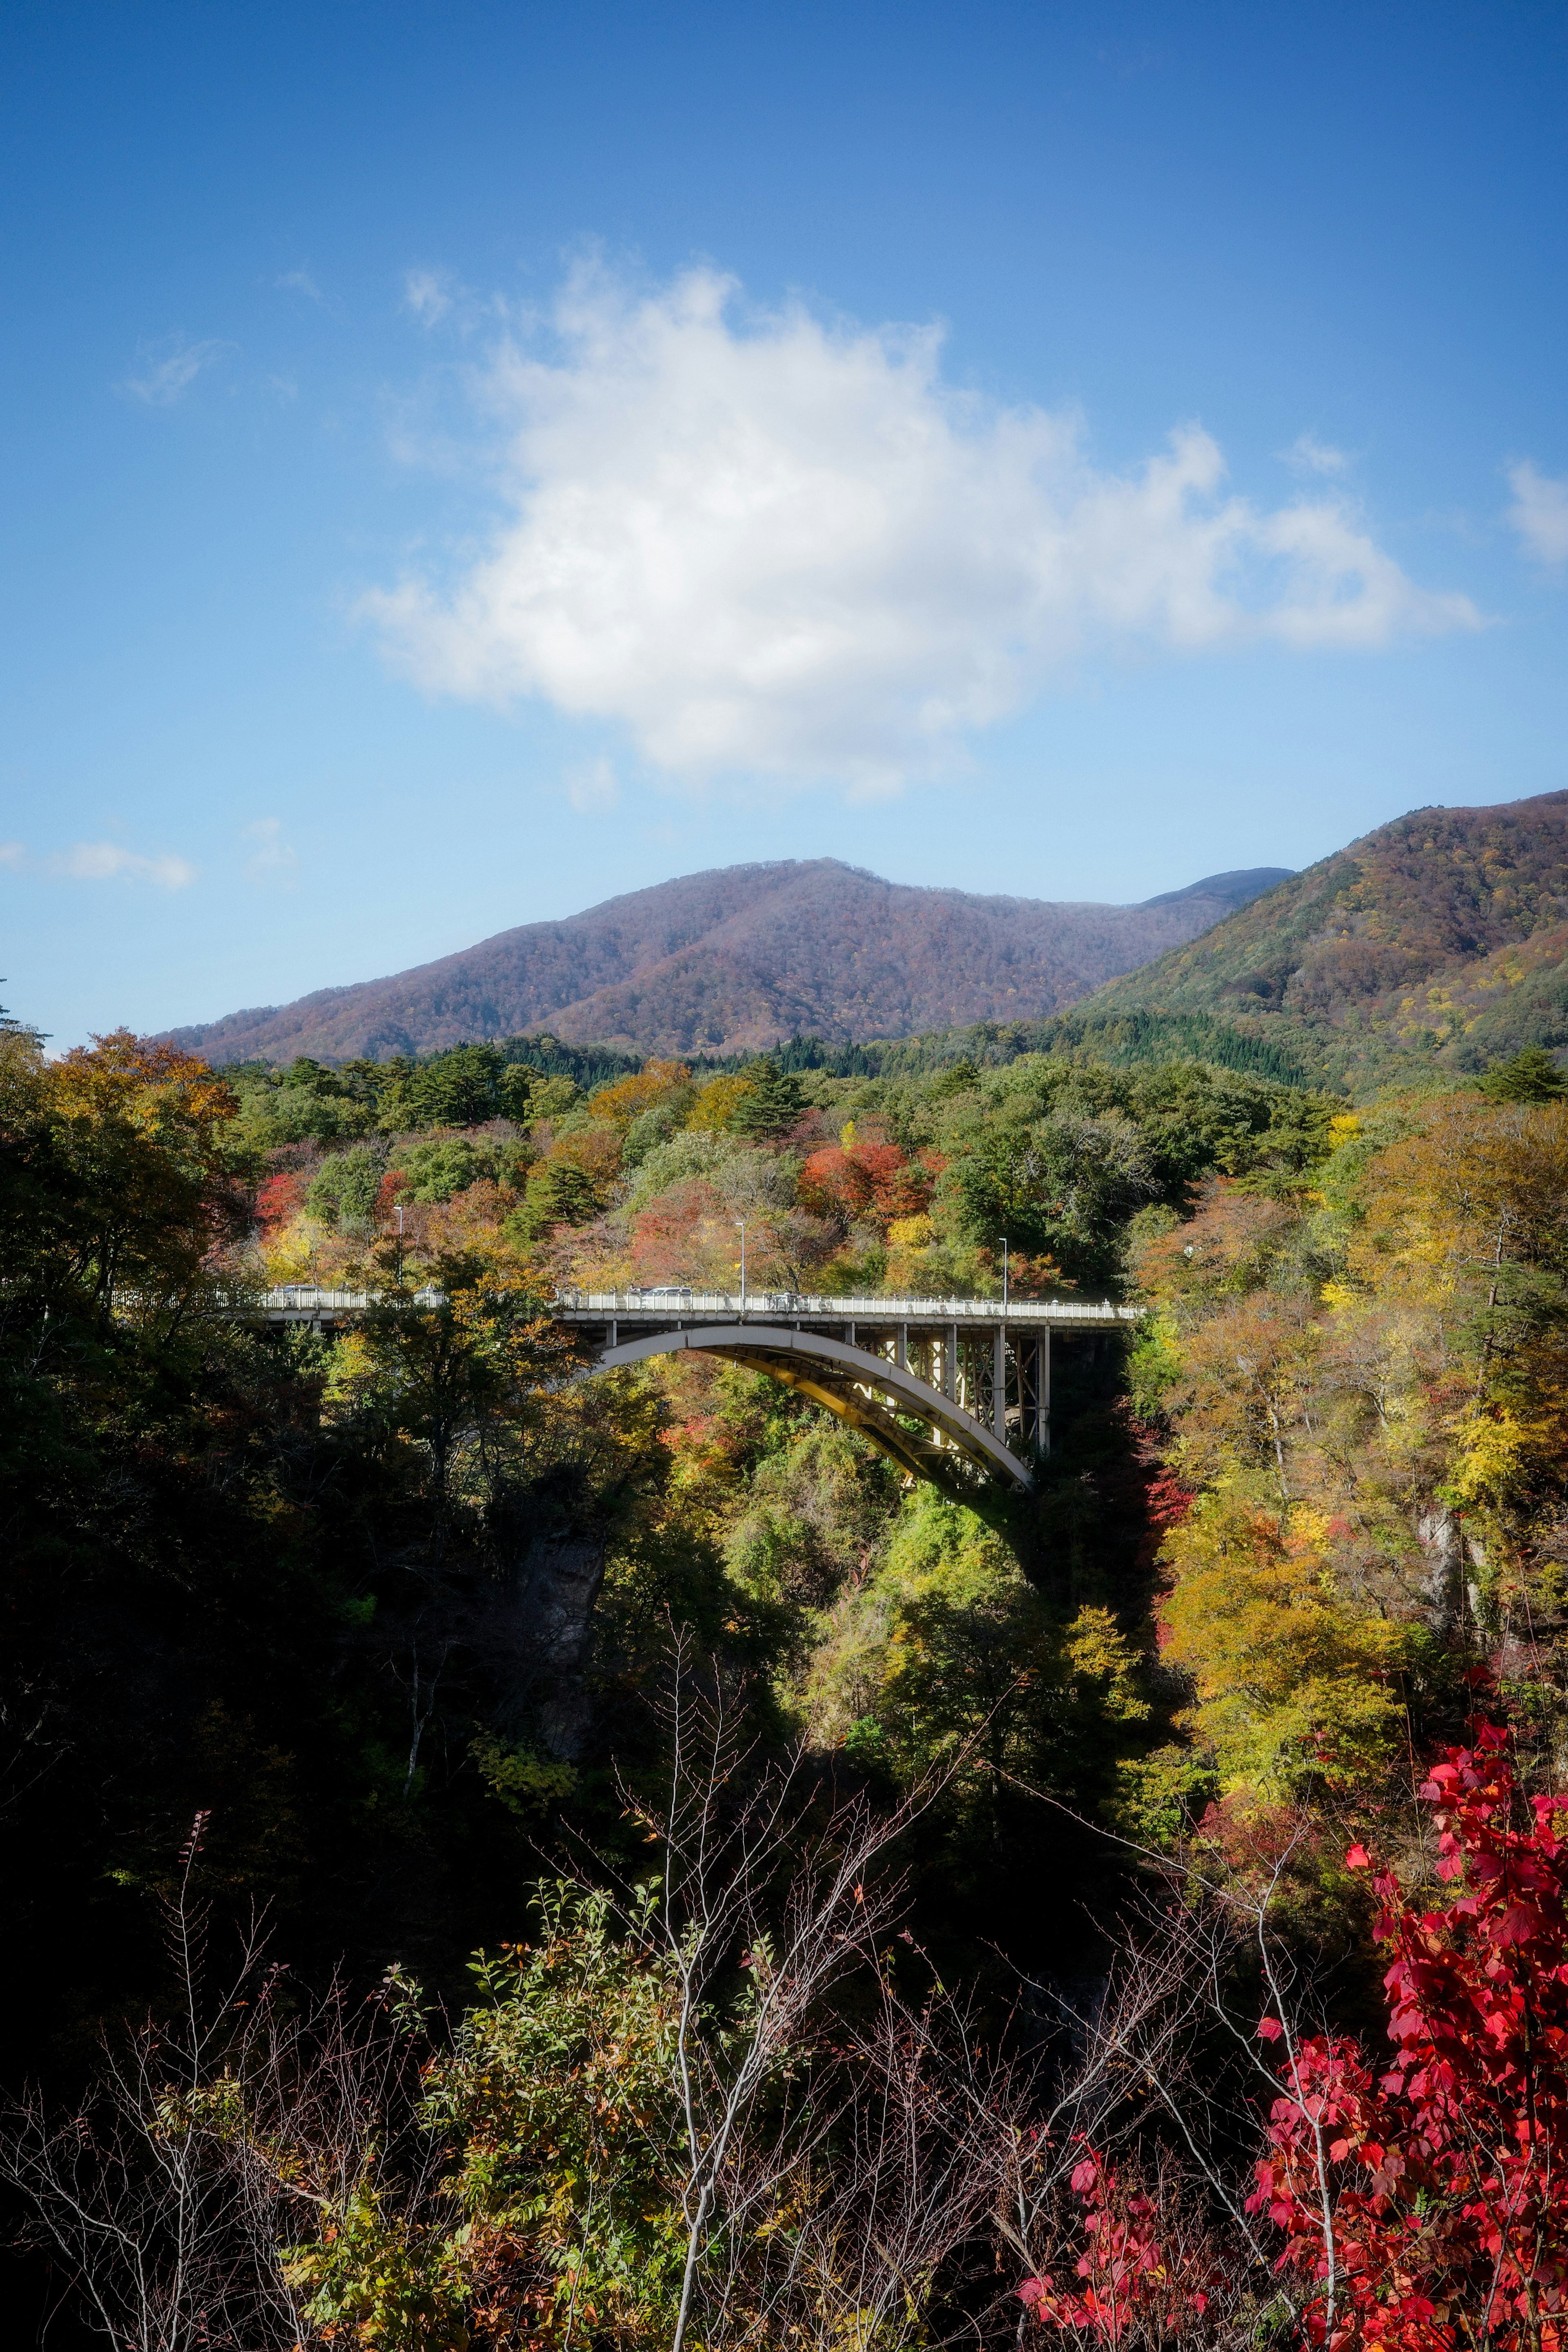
875, 1312
677, 1309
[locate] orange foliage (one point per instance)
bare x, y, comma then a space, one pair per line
152, 1200
629, 1097
1228, 1245
867, 1180
596, 1150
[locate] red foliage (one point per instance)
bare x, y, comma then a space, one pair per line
391, 1183
1428, 2204
686, 1234
1423, 2207
867, 1180
1169, 1500
1128, 2275
278, 1200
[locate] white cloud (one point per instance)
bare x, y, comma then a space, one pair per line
273, 859
1540, 512
425, 293
593, 788
1308, 455
170, 367
106, 861
791, 548
13, 856
299, 281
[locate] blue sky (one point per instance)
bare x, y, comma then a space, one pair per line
466, 462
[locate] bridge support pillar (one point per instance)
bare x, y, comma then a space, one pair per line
950, 1362
999, 1383
901, 1346
1032, 1354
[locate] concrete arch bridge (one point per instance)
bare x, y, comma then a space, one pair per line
954, 1391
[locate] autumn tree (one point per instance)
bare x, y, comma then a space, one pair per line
117, 1185
1440, 2215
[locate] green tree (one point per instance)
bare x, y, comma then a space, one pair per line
1062, 1186
344, 1189
443, 1371
1531, 1077
460, 1087
560, 1194
772, 1102
435, 1170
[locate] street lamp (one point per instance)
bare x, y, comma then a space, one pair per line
741, 1222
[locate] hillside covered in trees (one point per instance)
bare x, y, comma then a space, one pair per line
1441, 937
896, 1922
742, 958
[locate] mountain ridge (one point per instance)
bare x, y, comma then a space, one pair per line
1440, 938
739, 957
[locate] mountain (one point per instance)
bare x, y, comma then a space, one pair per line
1442, 937
741, 957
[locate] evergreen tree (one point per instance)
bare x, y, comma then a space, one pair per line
1531, 1075
772, 1102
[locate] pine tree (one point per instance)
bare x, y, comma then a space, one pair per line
771, 1104
1531, 1077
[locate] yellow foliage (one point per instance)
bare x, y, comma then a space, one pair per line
717, 1103
908, 1239
629, 1097
1497, 1450
291, 1253
1291, 1680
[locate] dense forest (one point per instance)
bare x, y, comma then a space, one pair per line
1441, 937
733, 959
502, 1857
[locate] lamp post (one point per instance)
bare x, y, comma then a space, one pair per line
1004, 1277
740, 1222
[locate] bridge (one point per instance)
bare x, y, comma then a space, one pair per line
954, 1391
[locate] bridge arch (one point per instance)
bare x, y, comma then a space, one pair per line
867, 1392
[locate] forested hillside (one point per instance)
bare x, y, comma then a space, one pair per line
742, 958
1441, 937
899, 1921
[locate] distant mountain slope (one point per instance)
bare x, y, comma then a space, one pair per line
1442, 935
741, 957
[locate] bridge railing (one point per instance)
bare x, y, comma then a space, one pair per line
311, 1298
866, 1308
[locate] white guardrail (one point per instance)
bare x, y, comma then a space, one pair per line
792, 1304
304, 1298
